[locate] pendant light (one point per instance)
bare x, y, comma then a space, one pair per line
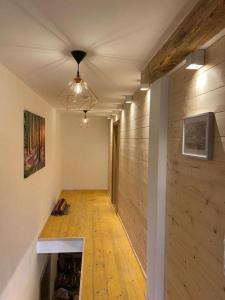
82, 97
85, 120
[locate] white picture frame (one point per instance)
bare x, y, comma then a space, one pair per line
197, 140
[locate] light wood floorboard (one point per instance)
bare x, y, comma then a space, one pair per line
110, 268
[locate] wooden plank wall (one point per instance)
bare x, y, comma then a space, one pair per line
133, 172
196, 189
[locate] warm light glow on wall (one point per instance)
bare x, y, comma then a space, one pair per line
149, 96
201, 81
132, 109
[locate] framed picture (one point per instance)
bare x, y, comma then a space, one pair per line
34, 143
198, 136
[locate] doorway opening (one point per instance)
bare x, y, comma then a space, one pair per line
115, 164
61, 277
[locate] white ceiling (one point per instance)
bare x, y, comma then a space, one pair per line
36, 37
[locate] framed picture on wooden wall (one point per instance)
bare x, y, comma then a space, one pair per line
197, 139
34, 143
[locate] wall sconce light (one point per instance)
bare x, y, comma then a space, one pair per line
144, 87
195, 60
128, 99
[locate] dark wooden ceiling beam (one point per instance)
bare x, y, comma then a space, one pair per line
205, 20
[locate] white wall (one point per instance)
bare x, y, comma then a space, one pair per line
25, 203
84, 152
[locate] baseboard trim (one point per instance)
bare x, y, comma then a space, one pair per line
135, 253
109, 195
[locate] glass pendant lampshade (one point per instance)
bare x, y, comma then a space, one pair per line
85, 121
81, 97
76, 85
79, 87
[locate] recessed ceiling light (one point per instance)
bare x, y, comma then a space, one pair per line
195, 60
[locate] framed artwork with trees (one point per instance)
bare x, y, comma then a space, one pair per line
34, 143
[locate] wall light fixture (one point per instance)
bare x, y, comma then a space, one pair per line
144, 87
195, 60
128, 99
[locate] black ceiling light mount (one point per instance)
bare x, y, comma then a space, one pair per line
85, 120
77, 84
78, 55
85, 113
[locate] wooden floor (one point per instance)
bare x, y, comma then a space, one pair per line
110, 268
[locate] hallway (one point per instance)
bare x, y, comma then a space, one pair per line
110, 269
112, 150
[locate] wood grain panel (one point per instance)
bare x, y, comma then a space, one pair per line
204, 21
133, 172
195, 188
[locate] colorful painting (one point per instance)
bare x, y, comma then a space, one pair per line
34, 143
197, 136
